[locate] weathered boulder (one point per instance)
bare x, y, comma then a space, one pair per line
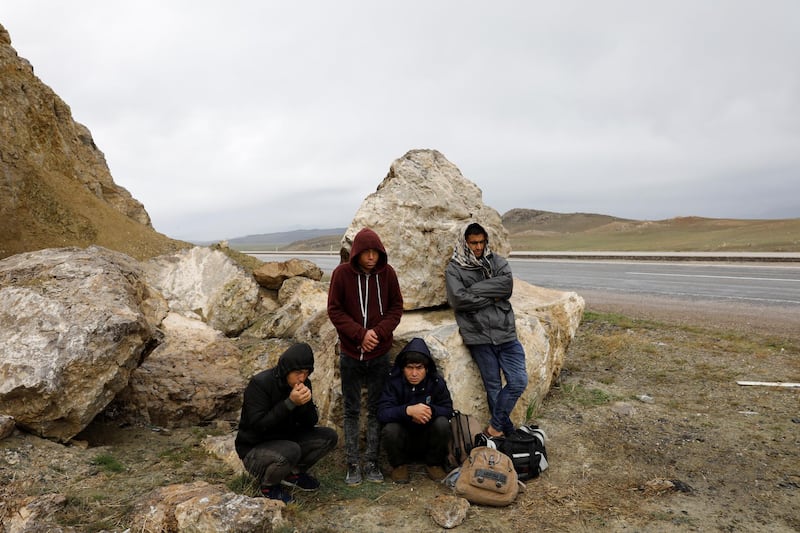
192, 377
206, 284
418, 211
271, 275
200, 506
74, 323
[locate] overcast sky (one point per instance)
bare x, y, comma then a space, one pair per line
232, 118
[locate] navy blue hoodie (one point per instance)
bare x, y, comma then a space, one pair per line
399, 393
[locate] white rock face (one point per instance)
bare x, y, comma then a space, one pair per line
205, 284
418, 211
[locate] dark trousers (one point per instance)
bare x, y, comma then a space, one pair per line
273, 460
356, 375
429, 443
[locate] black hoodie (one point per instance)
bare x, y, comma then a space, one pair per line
267, 411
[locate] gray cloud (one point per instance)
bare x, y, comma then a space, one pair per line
251, 116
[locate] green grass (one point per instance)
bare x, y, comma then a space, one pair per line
576, 393
108, 463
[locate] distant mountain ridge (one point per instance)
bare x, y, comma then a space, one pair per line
533, 229
284, 238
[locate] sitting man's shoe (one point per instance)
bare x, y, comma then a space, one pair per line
435, 472
400, 474
372, 472
353, 476
302, 481
276, 492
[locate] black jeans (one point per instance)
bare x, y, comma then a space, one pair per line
355, 375
273, 460
429, 442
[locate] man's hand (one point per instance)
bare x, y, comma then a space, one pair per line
300, 394
419, 413
370, 341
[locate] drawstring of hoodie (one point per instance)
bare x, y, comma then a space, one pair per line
363, 299
380, 300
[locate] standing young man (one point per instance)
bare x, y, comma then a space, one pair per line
416, 408
365, 306
278, 438
479, 284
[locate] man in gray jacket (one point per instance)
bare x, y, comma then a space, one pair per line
479, 285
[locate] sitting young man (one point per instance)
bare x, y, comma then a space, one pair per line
278, 438
415, 408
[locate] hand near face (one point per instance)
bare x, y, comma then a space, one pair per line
300, 394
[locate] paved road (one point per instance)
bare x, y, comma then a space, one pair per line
753, 283
761, 283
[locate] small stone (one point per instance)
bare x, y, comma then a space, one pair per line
448, 511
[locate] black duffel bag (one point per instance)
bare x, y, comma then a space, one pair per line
526, 448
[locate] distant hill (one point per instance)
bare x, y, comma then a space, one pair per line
302, 239
532, 229
521, 220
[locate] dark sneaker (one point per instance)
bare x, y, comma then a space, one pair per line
373, 473
400, 474
302, 481
276, 492
435, 472
353, 476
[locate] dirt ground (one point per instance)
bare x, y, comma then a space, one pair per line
647, 430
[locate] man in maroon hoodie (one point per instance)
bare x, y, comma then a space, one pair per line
365, 306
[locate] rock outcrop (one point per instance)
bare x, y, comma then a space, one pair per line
55, 186
418, 211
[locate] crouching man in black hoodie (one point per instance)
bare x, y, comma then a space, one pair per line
278, 438
415, 408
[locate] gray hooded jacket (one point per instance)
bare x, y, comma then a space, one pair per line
478, 290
